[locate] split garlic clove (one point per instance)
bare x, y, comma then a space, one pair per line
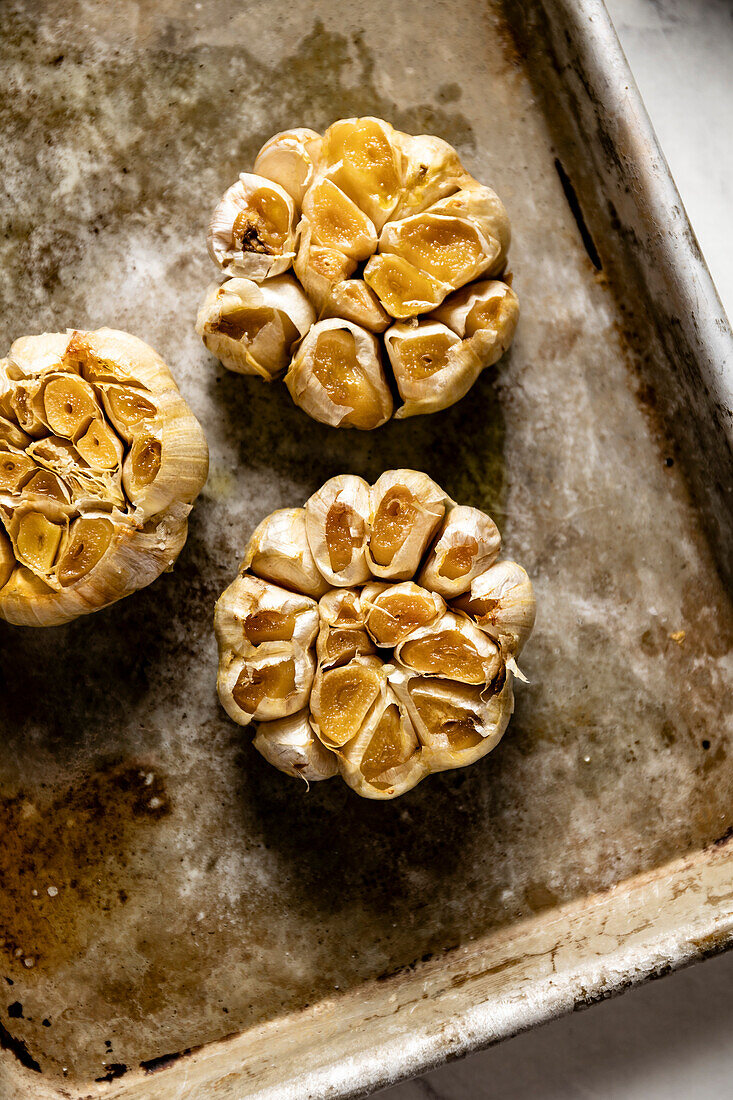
403, 289
291, 746
451, 249
252, 230
432, 170
272, 682
337, 377
406, 509
385, 759
251, 327
342, 635
484, 209
337, 223
394, 611
279, 551
319, 268
252, 612
290, 159
354, 301
502, 603
96, 503
337, 527
467, 544
364, 158
453, 648
343, 697
457, 723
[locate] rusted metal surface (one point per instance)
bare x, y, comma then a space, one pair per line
176, 918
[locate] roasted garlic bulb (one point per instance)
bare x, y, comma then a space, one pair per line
100, 461
338, 239
346, 663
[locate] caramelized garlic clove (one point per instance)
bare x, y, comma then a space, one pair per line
319, 268
252, 612
456, 723
467, 544
432, 170
270, 683
252, 230
403, 289
36, 540
337, 376
451, 249
290, 159
364, 158
291, 746
405, 509
16, 469
385, 759
483, 207
337, 223
453, 648
353, 300
279, 551
394, 611
251, 328
342, 635
343, 697
337, 527
502, 603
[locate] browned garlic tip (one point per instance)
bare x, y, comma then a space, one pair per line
349, 665
337, 239
100, 461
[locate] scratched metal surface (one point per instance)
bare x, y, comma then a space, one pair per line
161, 886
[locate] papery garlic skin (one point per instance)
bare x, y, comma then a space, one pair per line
252, 230
291, 746
405, 208
95, 499
386, 678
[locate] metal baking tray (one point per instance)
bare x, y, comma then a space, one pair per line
177, 919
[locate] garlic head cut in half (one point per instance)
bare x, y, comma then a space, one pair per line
382, 230
372, 634
100, 461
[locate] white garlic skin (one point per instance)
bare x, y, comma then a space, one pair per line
290, 159
503, 604
291, 746
279, 551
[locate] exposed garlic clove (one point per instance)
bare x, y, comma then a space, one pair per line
457, 724
394, 611
290, 745
342, 635
319, 268
385, 759
451, 647
467, 544
483, 207
354, 301
364, 158
343, 697
252, 230
502, 602
270, 683
12, 434
278, 551
337, 377
485, 313
7, 558
406, 509
432, 170
337, 527
337, 223
403, 289
71, 524
290, 159
252, 612
251, 328
451, 249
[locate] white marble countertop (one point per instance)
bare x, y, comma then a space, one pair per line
669, 1039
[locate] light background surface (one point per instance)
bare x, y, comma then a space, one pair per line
674, 1038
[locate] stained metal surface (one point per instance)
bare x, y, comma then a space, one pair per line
178, 919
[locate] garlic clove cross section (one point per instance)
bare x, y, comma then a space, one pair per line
252, 230
467, 544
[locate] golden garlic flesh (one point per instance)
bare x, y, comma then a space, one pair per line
100, 461
386, 235
349, 665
